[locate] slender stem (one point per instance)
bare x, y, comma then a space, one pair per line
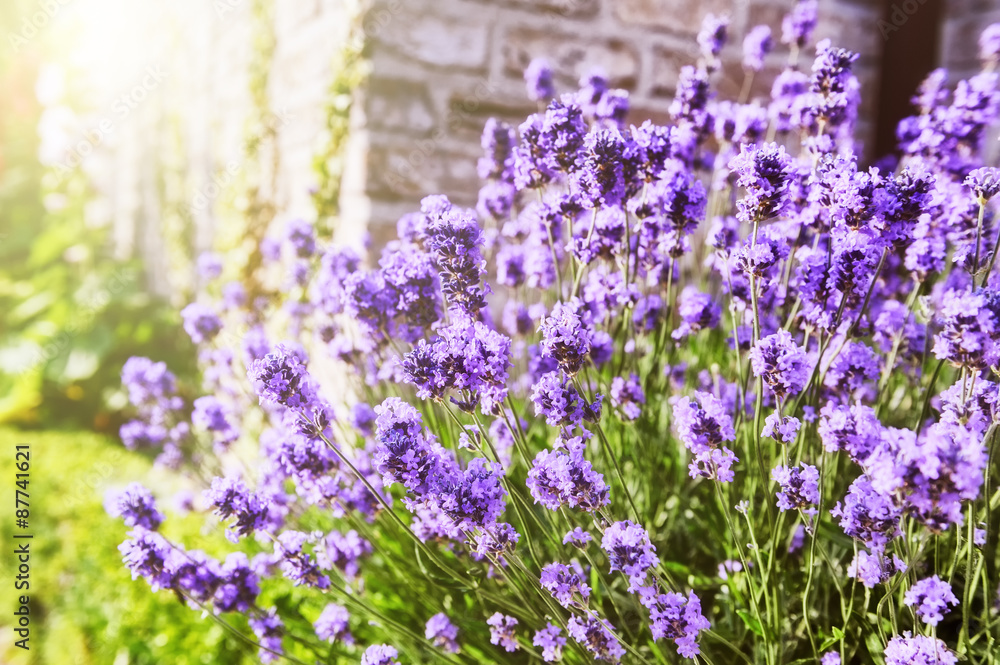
378, 497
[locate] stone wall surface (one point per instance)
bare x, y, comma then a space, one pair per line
439, 69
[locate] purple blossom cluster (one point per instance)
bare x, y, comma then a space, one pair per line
930, 597
703, 425
564, 477
565, 583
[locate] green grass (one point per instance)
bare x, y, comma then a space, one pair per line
85, 607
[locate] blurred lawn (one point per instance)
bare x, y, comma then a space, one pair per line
85, 607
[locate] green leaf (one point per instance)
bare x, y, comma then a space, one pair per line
875, 648
751, 622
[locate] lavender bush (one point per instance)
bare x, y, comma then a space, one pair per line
706, 391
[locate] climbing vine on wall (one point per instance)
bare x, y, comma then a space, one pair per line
350, 71
254, 184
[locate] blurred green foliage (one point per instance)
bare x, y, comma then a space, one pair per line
85, 608
72, 314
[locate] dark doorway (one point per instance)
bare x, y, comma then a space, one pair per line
911, 32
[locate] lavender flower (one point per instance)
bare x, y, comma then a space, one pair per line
601, 176
798, 24
985, 182
907, 649
212, 415
577, 537
932, 473
781, 428
552, 642
137, 507
597, 637
564, 476
498, 539
868, 516
296, 564
332, 624
798, 487
764, 172
404, 455
343, 551
147, 382
931, 596
854, 429
874, 568
690, 104
566, 336
442, 632
565, 583
989, 43
502, 631
757, 44
380, 654
782, 364
209, 265
467, 357
232, 498
302, 237
201, 322
698, 312
672, 616
268, 629
280, 377
703, 422
673, 207
712, 37
629, 550
538, 77
628, 396
497, 162
145, 553
478, 499
238, 587
855, 367
455, 240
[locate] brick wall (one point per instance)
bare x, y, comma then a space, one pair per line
442, 68
963, 21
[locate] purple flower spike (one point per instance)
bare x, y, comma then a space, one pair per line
137, 507
564, 476
332, 624
765, 173
782, 364
931, 597
268, 629
538, 78
798, 24
380, 654
757, 44
565, 583
280, 378
672, 616
552, 642
798, 487
442, 632
629, 550
502, 631
781, 428
985, 182
597, 637
201, 322
907, 649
